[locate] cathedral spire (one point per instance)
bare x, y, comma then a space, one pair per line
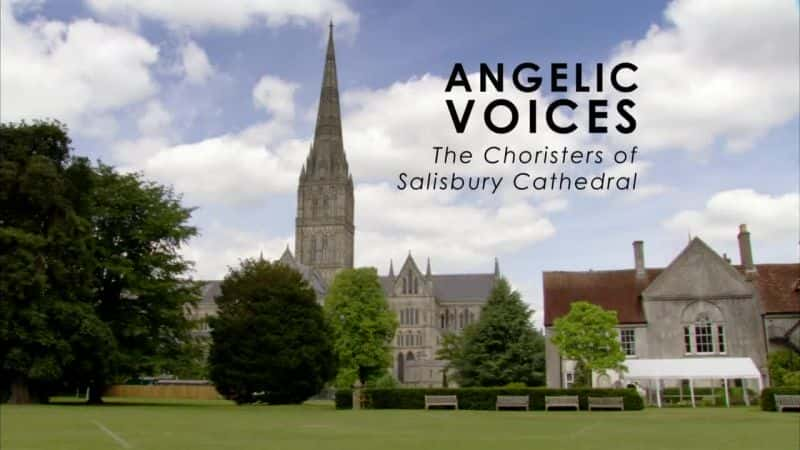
428, 268
391, 268
327, 158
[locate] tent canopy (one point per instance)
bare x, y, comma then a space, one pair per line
692, 368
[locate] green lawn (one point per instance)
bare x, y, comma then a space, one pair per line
219, 425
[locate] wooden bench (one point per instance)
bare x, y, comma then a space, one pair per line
441, 400
606, 403
561, 401
787, 401
513, 401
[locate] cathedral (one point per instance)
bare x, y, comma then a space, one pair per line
427, 306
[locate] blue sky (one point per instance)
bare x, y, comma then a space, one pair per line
218, 100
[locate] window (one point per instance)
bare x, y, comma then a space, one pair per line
704, 337
687, 339
703, 340
628, 339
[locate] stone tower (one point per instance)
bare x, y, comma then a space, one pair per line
324, 225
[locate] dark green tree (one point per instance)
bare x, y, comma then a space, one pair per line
588, 336
363, 325
503, 346
270, 340
48, 326
140, 279
450, 350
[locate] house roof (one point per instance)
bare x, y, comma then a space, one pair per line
454, 287
616, 290
778, 287
619, 290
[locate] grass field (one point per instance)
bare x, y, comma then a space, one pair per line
218, 425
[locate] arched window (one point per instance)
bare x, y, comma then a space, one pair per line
416, 317
405, 286
703, 329
441, 319
416, 288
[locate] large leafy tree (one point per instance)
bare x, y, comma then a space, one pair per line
451, 349
47, 320
503, 346
588, 335
270, 340
140, 278
92, 285
362, 323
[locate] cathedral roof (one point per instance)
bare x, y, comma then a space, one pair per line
453, 288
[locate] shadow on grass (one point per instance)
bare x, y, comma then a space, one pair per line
134, 401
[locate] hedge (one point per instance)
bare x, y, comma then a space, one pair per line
478, 398
768, 396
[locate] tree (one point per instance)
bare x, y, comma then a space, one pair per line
47, 319
141, 285
450, 350
270, 336
784, 368
362, 323
588, 335
93, 286
503, 346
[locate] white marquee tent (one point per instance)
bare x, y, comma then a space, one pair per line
713, 368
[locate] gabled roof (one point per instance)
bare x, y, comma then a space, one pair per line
776, 285
698, 272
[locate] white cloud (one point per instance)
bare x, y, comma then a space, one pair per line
722, 70
195, 64
775, 218
275, 96
155, 119
77, 72
219, 247
469, 235
233, 15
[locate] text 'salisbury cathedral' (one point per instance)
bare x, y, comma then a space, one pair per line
427, 305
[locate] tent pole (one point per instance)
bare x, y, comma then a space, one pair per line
691, 390
727, 398
658, 392
744, 392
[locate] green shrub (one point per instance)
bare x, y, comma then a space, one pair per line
791, 379
768, 396
516, 385
479, 398
344, 399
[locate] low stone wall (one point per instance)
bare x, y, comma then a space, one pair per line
165, 391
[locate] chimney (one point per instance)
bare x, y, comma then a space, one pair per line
745, 250
638, 258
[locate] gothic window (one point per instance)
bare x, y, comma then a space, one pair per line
627, 338
319, 249
314, 207
416, 290
325, 207
324, 248
441, 319
471, 317
416, 316
405, 287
